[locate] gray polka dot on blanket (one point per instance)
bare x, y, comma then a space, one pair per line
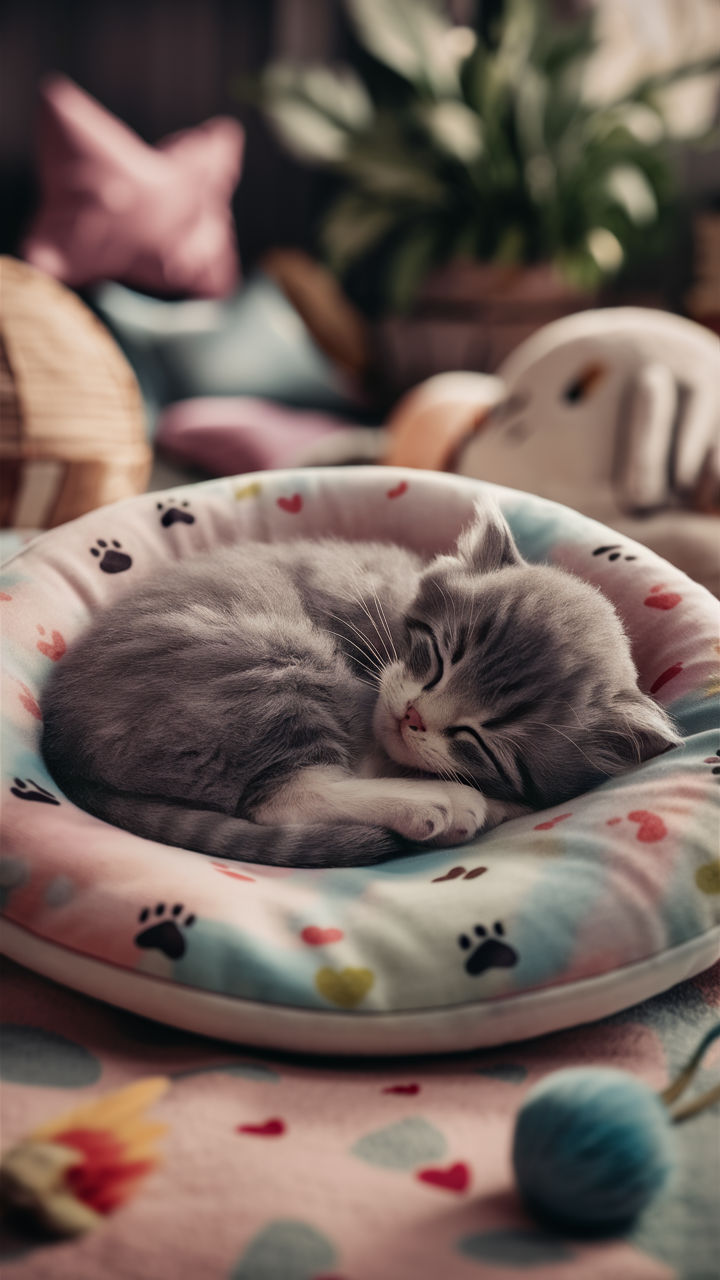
32, 1056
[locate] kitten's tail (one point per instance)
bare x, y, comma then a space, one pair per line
223, 836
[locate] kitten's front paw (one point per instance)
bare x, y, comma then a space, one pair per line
467, 812
444, 814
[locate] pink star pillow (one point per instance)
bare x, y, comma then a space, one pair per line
112, 207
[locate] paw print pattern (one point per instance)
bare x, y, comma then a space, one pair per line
112, 558
613, 552
714, 762
164, 933
456, 872
29, 790
490, 952
174, 514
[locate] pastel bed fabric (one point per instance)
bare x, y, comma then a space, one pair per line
586, 908
280, 1168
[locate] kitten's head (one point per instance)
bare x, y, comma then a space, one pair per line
515, 677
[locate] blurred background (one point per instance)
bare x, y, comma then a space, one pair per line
386, 190
163, 65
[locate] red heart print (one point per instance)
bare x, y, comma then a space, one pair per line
54, 648
291, 505
669, 674
317, 937
232, 875
551, 822
651, 828
29, 702
273, 1128
4, 596
399, 490
408, 1089
454, 1178
660, 599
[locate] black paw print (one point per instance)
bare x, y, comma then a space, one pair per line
613, 552
164, 933
32, 791
113, 559
175, 515
490, 953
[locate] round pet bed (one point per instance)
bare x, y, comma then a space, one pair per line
553, 919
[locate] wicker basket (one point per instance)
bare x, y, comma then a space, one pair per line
72, 428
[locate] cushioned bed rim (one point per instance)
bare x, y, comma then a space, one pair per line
440, 1030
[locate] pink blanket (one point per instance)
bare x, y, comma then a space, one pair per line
279, 1168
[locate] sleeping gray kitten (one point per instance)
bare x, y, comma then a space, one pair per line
323, 703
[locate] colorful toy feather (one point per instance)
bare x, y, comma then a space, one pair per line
69, 1174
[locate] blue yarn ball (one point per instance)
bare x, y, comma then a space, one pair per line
592, 1147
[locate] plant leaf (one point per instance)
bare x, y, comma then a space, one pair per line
385, 165
352, 226
409, 266
413, 37
629, 187
455, 128
510, 247
316, 109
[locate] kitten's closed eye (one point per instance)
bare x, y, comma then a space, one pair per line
469, 737
425, 657
456, 729
510, 715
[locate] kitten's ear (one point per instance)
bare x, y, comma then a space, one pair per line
487, 544
641, 730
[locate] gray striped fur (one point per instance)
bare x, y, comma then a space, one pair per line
187, 707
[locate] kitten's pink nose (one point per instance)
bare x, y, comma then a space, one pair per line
413, 720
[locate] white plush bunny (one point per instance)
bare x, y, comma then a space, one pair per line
614, 412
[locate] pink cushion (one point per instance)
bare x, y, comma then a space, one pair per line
114, 208
228, 434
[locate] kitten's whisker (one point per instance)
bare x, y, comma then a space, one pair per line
448, 600
540, 724
363, 605
384, 657
371, 671
361, 636
386, 625
383, 618
570, 705
447, 773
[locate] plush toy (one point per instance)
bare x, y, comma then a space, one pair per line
593, 1145
113, 208
69, 1174
613, 412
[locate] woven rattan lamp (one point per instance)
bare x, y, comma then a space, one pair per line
72, 431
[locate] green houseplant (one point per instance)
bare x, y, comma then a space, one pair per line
477, 151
